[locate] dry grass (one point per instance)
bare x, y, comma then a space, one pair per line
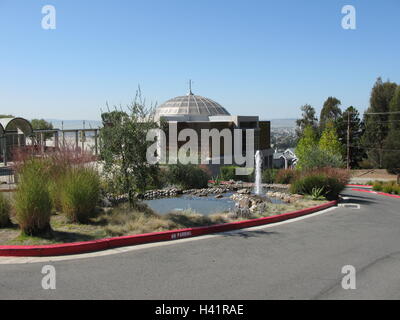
372, 174
274, 209
122, 221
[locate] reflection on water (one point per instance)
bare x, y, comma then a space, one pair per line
203, 205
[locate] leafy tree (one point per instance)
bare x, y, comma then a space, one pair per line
376, 121
391, 155
357, 153
124, 147
329, 141
311, 152
41, 124
329, 112
307, 142
318, 158
6, 116
308, 118
394, 108
187, 176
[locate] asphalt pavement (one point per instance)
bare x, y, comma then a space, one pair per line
297, 260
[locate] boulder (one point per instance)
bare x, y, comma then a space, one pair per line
287, 199
253, 208
240, 213
244, 203
105, 203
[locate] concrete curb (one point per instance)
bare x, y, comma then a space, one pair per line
103, 244
377, 192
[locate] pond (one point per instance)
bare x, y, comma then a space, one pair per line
204, 205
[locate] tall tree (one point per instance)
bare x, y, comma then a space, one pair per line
391, 156
124, 148
394, 108
329, 141
310, 154
308, 118
376, 121
307, 142
350, 119
329, 112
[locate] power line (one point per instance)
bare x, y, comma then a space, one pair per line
359, 147
366, 113
388, 112
382, 122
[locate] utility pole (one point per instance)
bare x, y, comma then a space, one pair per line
348, 140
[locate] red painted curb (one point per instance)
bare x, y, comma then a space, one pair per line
102, 244
377, 192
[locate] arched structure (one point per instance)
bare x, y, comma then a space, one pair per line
12, 125
13, 132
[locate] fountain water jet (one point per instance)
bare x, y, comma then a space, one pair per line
257, 183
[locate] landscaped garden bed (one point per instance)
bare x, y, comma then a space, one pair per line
62, 198
390, 187
122, 220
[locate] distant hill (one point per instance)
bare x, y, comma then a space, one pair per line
283, 123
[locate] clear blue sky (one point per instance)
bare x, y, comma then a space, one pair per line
262, 57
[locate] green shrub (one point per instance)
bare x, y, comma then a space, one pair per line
187, 176
32, 199
268, 175
366, 164
396, 189
318, 158
387, 188
326, 182
5, 208
216, 180
80, 193
285, 176
249, 177
377, 186
317, 193
228, 173
342, 175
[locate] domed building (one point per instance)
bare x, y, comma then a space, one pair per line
198, 112
192, 107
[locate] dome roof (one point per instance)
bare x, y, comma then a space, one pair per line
192, 105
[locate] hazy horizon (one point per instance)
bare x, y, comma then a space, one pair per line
78, 124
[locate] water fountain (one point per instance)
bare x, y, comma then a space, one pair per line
257, 183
